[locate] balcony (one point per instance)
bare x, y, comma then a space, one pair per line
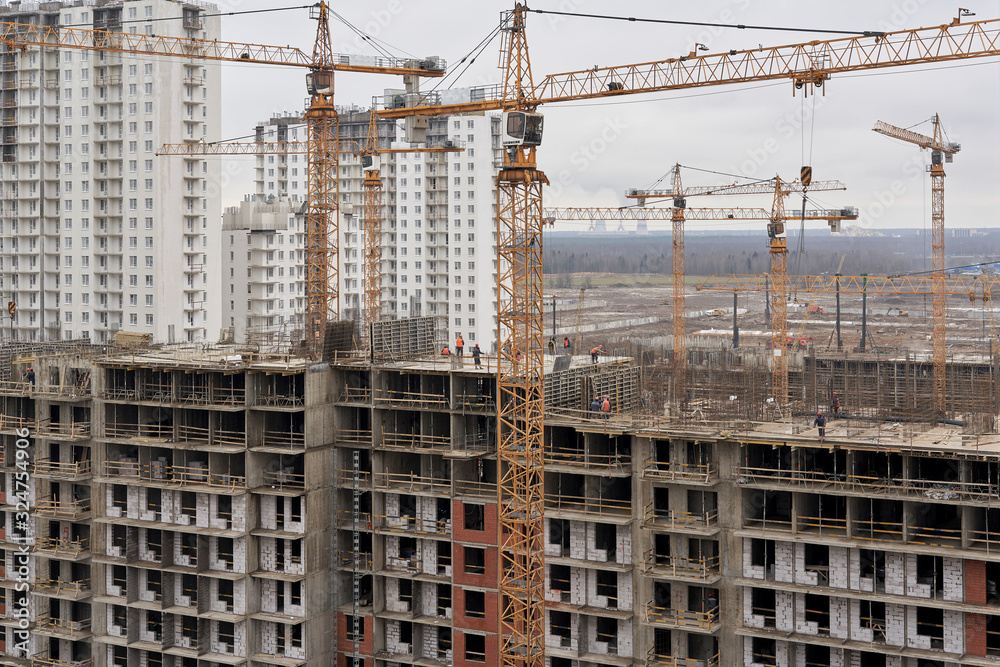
389, 398
63, 430
654, 659
606, 508
706, 621
405, 483
126, 431
43, 660
664, 471
59, 470
359, 437
71, 510
23, 388
59, 588
175, 476
840, 482
412, 525
284, 480
216, 437
46, 623
701, 569
278, 400
283, 440
203, 395
613, 464
471, 445
666, 519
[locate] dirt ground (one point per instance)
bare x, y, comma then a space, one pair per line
617, 298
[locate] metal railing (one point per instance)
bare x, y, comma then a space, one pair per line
673, 566
62, 429
656, 659
284, 439
416, 441
356, 395
680, 618
174, 475
348, 436
59, 587
43, 660
621, 463
409, 482
392, 398
211, 436
680, 472
61, 624
674, 520
62, 509
129, 431
285, 480
883, 486
278, 400
606, 507
476, 489
50, 468
415, 525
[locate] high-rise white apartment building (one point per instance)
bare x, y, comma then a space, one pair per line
262, 263
97, 234
438, 218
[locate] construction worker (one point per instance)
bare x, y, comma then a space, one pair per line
31, 376
445, 352
711, 604
475, 354
606, 407
835, 406
595, 405
820, 423
459, 346
594, 352
567, 346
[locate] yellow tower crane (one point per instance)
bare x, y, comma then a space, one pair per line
678, 196
519, 243
941, 152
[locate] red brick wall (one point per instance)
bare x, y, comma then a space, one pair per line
343, 644
975, 581
458, 643
347, 660
975, 634
488, 535
490, 575
486, 624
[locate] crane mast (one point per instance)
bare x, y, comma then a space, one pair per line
679, 306
778, 250
521, 491
322, 215
941, 152
371, 190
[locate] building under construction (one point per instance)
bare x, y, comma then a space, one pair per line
242, 505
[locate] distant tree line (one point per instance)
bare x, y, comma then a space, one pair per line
704, 255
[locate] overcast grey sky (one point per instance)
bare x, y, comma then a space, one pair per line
593, 151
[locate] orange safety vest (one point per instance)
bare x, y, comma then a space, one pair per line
459, 343
607, 405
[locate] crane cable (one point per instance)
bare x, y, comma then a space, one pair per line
708, 24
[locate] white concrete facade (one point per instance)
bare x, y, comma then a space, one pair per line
97, 232
438, 221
